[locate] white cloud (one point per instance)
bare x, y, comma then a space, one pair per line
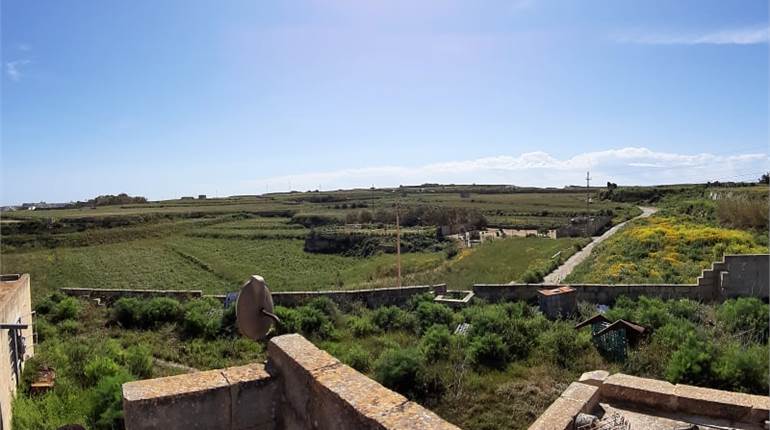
631, 165
14, 69
737, 36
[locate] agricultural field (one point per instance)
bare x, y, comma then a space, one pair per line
214, 244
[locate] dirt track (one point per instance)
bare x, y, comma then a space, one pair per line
565, 269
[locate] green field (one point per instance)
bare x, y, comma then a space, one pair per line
214, 244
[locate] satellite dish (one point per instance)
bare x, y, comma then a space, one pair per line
254, 309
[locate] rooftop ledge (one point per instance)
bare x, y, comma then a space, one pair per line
300, 387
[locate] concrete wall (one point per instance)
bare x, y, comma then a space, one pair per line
301, 387
746, 275
371, 297
656, 397
15, 304
111, 295
594, 293
735, 276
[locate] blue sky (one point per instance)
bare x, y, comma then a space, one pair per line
166, 98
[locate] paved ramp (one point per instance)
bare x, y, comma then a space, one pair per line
558, 275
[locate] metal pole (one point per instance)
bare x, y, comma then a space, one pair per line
398, 245
588, 200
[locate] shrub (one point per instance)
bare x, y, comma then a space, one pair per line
98, 368
289, 320
362, 326
357, 358
388, 318
127, 312
229, 322
562, 345
67, 308
202, 318
138, 359
488, 350
739, 368
400, 370
160, 310
690, 363
69, 326
435, 343
326, 306
747, 316
106, 412
313, 322
430, 314
532, 276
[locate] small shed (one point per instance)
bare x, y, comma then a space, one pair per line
613, 338
558, 302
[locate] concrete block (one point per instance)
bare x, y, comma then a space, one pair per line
760, 409
587, 395
253, 396
559, 416
595, 378
715, 403
198, 400
651, 392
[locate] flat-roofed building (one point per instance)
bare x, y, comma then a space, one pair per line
16, 343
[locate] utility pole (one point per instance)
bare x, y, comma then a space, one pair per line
398, 246
588, 201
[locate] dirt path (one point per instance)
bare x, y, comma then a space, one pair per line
565, 269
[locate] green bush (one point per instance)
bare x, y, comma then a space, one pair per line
106, 411
202, 318
435, 343
69, 326
561, 344
746, 316
313, 322
67, 308
430, 314
740, 368
690, 364
362, 326
488, 350
127, 311
400, 370
357, 358
138, 359
99, 368
160, 310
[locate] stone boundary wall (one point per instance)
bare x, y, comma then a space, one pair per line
371, 297
594, 293
655, 395
301, 387
734, 276
111, 295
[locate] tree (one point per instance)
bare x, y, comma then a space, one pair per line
611, 185
765, 179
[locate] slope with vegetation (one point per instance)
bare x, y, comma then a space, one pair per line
510, 366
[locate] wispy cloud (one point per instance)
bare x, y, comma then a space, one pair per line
631, 165
737, 36
14, 69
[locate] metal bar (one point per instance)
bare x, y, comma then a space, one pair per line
11, 326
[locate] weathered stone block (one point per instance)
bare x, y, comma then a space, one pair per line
715, 403
198, 400
595, 378
559, 416
587, 395
253, 395
650, 392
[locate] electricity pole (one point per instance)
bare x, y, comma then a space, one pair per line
398, 246
588, 201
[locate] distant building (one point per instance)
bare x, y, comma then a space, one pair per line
16, 342
201, 197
